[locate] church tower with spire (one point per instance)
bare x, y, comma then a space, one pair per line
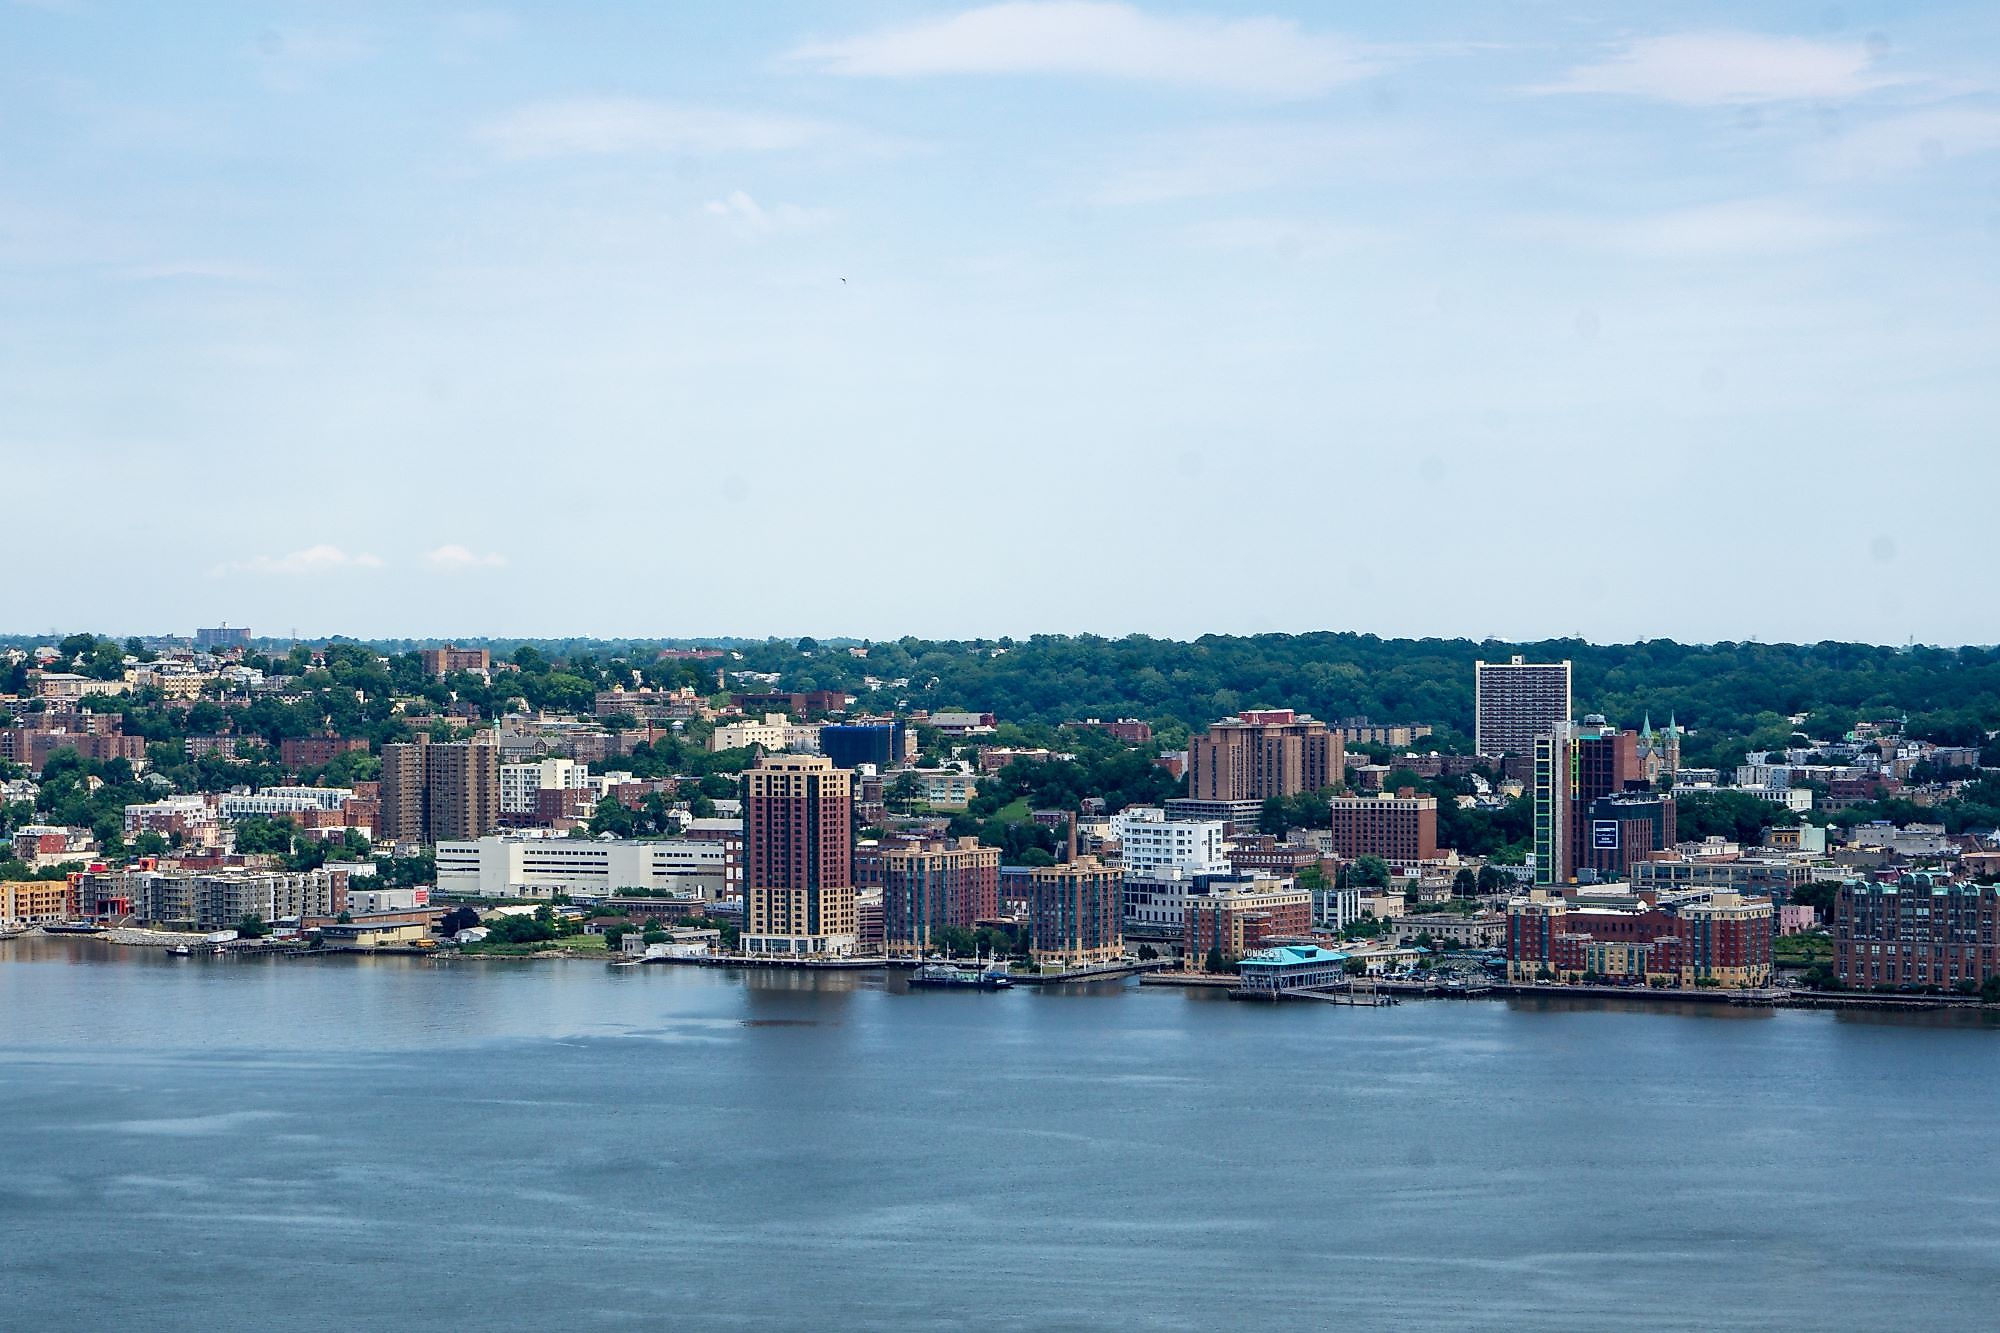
1659, 751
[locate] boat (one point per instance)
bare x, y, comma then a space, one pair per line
179, 951
950, 976
74, 928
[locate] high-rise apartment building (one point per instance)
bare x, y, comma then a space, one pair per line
1261, 753
433, 791
1578, 832
1516, 701
928, 885
399, 788
1076, 911
799, 844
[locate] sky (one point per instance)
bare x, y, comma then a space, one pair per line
880, 318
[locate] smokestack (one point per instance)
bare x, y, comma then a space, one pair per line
1072, 835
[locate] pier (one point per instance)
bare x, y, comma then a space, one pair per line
1355, 994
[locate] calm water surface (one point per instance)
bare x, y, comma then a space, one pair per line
379, 1143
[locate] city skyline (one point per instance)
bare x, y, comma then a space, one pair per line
1387, 700
343, 312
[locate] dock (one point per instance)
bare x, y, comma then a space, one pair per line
1771, 997
1355, 994
1191, 980
1081, 975
787, 964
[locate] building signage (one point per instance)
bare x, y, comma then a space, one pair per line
1604, 835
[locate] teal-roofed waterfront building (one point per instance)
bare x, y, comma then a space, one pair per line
1291, 967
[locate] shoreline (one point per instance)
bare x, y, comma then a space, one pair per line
1152, 973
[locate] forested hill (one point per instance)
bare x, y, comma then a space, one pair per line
1732, 693
1739, 690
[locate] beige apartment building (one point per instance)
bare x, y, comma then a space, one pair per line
1263, 753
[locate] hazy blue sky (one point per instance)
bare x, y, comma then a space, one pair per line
876, 318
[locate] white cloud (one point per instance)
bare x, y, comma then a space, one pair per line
454, 559
1905, 143
740, 211
1744, 227
604, 126
1268, 57
1731, 69
321, 559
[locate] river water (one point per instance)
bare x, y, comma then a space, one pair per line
378, 1143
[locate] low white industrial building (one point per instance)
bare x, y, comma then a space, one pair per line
528, 867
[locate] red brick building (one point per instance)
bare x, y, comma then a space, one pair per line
798, 705
228, 746
1921, 932
1705, 939
32, 748
1236, 921
1247, 856
441, 662
1401, 829
298, 752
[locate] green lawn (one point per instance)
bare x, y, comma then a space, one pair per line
1801, 950
1014, 812
567, 944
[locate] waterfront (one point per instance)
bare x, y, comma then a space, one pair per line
389, 1141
